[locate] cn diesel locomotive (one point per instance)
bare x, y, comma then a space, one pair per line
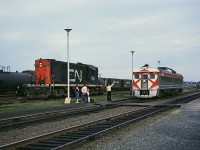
51, 78
150, 82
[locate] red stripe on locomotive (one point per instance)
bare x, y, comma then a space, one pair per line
135, 83
153, 83
171, 76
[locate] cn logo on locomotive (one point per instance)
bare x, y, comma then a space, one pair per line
75, 75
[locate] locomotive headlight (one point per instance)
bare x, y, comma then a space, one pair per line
40, 64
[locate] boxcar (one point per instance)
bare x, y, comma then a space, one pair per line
119, 84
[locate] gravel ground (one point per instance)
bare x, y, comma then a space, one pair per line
177, 129
39, 129
138, 135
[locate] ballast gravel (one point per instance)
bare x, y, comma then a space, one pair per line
171, 130
9, 136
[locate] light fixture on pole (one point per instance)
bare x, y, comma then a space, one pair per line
159, 63
132, 73
68, 76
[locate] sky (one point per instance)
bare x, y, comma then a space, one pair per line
103, 34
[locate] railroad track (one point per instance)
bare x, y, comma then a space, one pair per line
27, 119
34, 118
69, 137
20, 120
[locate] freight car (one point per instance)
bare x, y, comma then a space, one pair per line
119, 84
198, 85
51, 78
150, 82
12, 83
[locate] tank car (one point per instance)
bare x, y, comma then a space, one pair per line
13, 82
51, 78
150, 82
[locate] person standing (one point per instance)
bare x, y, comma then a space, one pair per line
109, 89
84, 91
77, 94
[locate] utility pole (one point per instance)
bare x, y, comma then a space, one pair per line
132, 73
68, 75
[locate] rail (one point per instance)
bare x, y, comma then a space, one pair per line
14, 121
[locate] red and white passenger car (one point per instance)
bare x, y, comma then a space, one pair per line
150, 82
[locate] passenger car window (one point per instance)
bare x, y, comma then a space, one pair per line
145, 76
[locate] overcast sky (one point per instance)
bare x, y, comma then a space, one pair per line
103, 34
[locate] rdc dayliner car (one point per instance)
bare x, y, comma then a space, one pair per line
150, 82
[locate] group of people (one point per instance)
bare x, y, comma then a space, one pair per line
85, 92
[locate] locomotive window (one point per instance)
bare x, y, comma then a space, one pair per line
137, 76
93, 72
152, 76
144, 76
